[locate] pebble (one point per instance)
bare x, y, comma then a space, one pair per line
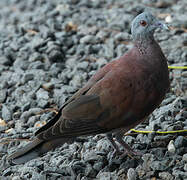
91, 156
122, 36
131, 174
6, 113
158, 166
171, 147
48, 86
185, 167
3, 95
184, 158
16, 178
180, 141
166, 176
106, 176
5, 61
27, 77
42, 94
88, 39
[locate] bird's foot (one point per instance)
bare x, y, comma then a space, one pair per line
131, 153
121, 154
127, 149
116, 153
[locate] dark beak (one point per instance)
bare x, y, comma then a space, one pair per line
161, 25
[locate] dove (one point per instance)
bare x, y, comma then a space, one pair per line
120, 95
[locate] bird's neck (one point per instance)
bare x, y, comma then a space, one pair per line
144, 43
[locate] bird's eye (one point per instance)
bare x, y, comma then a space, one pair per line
143, 23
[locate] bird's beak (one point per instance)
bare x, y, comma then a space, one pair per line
161, 25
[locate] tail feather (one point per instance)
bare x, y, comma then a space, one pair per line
35, 149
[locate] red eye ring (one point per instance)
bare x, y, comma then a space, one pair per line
143, 23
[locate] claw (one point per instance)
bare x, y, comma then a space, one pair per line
127, 149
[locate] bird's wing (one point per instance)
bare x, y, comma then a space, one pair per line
91, 113
59, 114
94, 79
81, 117
79, 106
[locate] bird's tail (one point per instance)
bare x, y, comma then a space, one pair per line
35, 149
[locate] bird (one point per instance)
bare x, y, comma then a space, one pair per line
118, 97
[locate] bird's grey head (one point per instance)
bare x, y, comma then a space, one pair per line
144, 25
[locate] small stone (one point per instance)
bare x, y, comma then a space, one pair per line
31, 121
36, 65
158, 166
63, 9
5, 61
101, 62
141, 171
2, 122
3, 94
25, 107
56, 56
103, 145
148, 160
171, 147
184, 157
76, 81
42, 94
102, 34
43, 103
155, 125
185, 167
98, 166
122, 36
106, 176
89, 171
16, 178
91, 156
131, 174
166, 176
27, 77
10, 131
121, 49
109, 49
180, 141
179, 117
48, 86
163, 138
6, 113
88, 39
163, 4
37, 42
35, 57
39, 124
83, 65
184, 114
179, 174
27, 114
184, 74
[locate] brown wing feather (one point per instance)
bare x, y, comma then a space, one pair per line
59, 114
58, 119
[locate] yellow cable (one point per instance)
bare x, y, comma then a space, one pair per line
160, 132
177, 67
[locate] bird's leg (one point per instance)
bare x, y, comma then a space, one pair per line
114, 145
128, 150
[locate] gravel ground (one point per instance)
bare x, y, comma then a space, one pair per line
49, 49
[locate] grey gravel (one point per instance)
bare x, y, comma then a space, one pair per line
6, 113
49, 49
